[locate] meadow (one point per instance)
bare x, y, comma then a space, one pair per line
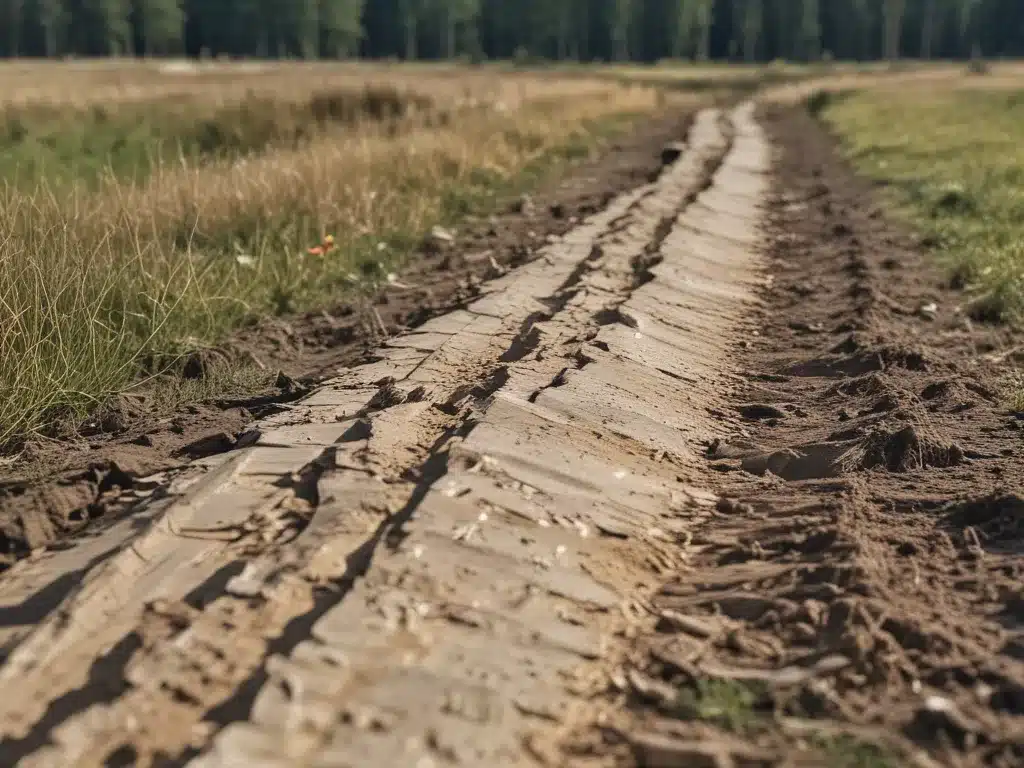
148, 210
151, 209
952, 162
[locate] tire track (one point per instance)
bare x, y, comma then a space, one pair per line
856, 596
485, 619
233, 587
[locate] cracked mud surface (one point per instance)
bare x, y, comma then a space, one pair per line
709, 440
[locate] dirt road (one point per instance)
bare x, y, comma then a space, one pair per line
715, 432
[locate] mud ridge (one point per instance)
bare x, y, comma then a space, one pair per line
370, 459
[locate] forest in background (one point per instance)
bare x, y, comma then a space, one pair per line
525, 30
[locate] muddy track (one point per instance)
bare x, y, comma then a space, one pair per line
729, 434
860, 577
435, 557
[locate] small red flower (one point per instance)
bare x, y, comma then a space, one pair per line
326, 245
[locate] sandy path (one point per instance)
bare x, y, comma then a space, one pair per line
437, 557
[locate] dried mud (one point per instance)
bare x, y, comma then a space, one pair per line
433, 557
861, 580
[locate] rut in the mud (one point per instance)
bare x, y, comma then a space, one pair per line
858, 590
435, 556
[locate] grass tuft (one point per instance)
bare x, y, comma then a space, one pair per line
844, 751
732, 706
50, 144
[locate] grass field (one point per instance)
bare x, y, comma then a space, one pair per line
953, 162
150, 210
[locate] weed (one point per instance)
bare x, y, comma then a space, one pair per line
845, 751
744, 708
978, 67
817, 101
953, 199
731, 705
1016, 397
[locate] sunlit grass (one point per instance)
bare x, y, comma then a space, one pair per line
953, 163
101, 282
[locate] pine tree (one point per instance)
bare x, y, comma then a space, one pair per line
341, 28
620, 15
11, 21
411, 13
892, 27
810, 31
966, 11
704, 19
160, 26
52, 21
750, 17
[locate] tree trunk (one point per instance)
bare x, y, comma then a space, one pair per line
448, 35
704, 31
620, 30
810, 31
927, 29
410, 37
751, 30
968, 29
682, 34
620, 50
14, 20
563, 34
892, 11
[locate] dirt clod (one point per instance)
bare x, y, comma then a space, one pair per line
672, 152
659, 751
760, 412
906, 449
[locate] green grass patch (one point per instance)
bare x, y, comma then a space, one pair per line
733, 706
953, 163
57, 146
746, 709
848, 752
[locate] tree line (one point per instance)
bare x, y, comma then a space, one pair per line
531, 30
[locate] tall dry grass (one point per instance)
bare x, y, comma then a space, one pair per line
97, 282
110, 83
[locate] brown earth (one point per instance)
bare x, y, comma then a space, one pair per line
410, 565
58, 487
494, 542
862, 578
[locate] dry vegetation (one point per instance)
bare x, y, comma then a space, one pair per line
109, 82
150, 211
903, 76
